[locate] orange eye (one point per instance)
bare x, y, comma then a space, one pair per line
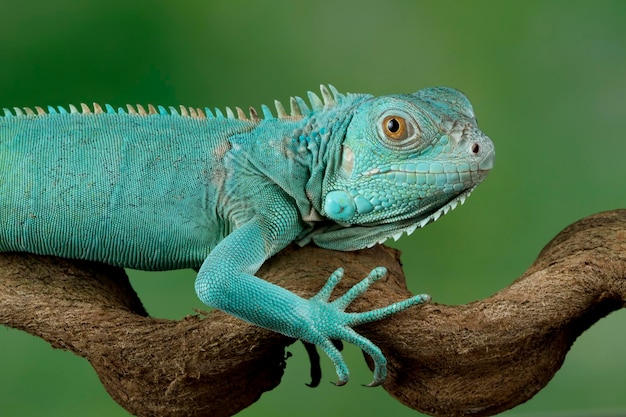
394, 127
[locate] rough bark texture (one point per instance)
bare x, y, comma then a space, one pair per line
478, 359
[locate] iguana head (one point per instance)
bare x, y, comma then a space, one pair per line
405, 161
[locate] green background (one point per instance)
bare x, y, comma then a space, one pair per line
547, 80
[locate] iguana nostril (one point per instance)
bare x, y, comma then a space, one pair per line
475, 148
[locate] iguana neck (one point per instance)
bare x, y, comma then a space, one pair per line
328, 129
297, 154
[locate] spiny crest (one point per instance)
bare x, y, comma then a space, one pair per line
298, 108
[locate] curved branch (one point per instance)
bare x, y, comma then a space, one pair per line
151, 367
480, 358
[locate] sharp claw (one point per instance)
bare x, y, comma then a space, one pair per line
340, 383
338, 344
316, 370
373, 384
337, 325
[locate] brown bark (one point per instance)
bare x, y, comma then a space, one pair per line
480, 358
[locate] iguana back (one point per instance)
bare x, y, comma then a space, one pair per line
129, 190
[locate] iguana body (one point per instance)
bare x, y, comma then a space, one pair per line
159, 189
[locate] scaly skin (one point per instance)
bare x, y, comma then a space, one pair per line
160, 190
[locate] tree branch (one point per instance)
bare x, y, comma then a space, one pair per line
480, 358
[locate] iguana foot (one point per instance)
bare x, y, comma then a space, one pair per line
332, 322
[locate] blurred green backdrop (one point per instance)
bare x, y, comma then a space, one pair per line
548, 83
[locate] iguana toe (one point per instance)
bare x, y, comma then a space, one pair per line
330, 321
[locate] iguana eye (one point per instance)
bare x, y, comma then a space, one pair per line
398, 130
395, 128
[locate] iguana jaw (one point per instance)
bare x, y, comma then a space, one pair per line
432, 217
352, 237
414, 221
350, 205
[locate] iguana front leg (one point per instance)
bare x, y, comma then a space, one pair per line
226, 281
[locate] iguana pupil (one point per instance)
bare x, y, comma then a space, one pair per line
393, 125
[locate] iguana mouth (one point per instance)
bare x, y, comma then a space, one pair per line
412, 177
425, 169
482, 162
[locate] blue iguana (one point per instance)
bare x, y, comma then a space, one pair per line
168, 188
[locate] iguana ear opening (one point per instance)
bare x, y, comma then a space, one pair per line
347, 161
